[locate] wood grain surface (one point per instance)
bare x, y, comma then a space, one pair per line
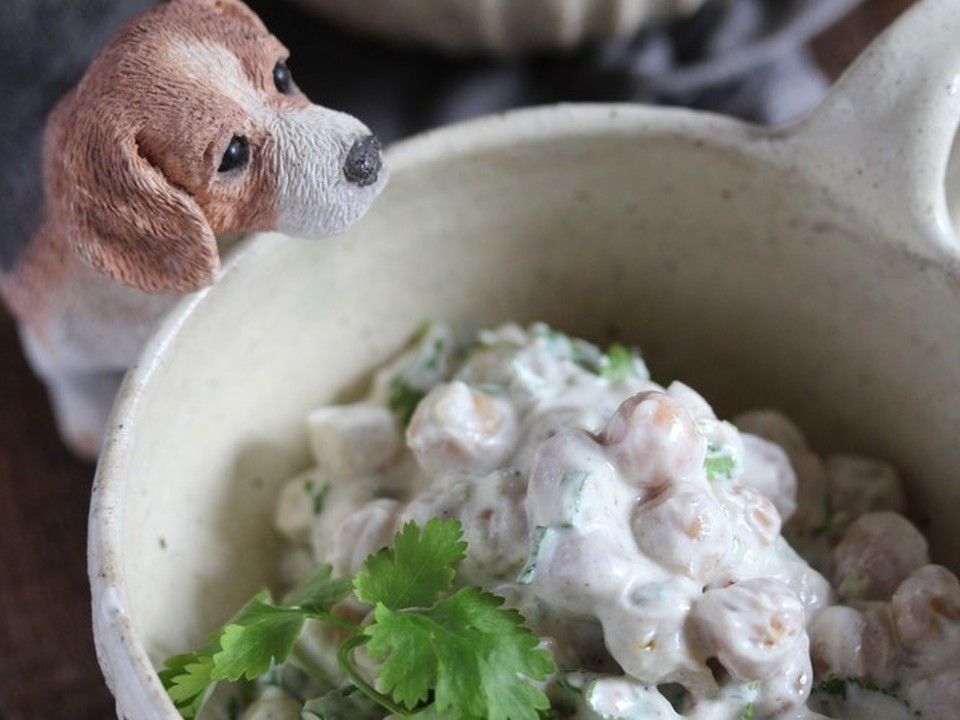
47, 663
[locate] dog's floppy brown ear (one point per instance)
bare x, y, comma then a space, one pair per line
124, 216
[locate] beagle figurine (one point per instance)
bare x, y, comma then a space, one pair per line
187, 126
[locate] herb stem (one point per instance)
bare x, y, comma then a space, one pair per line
351, 671
335, 621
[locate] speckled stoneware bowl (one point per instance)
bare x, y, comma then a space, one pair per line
816, 269
498, 27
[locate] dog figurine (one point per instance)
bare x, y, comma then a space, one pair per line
185, 128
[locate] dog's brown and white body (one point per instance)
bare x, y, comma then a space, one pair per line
186, 127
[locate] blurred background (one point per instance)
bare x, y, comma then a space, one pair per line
402, 66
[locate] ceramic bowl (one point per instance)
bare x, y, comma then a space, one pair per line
498, 27
814, 269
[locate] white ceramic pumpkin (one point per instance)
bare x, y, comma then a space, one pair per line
499, 27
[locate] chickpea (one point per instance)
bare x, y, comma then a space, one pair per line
455, 429
926, 612
685, 530
750, 626
930, 696
767, 469
755, 514
654, 441
349, 440
875, 555
855, 642
858, 485
364, 532
836, 642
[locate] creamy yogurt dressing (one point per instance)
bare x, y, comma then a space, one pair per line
653, 546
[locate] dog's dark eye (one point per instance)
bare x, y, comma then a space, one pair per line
282, 78
237, 154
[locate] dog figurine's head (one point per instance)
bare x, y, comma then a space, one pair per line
186, 126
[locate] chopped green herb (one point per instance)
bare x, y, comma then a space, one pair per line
832, 524
529, 570
846, 690
719, 463
489, 389
545, 332
563, 347
834, 521
572, 487
425, 362
836, 686
318, 495
618, 362
433, 361
586, 355
404, 399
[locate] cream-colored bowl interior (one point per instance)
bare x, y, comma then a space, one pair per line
764, 270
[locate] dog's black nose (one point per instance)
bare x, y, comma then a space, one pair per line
363, 161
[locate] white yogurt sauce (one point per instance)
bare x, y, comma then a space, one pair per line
653, 546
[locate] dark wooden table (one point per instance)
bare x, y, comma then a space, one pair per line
47, 662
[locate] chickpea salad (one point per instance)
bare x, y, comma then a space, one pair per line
664, 562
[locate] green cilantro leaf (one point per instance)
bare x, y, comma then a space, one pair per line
411, 669
474, 656
255, 637
416, 569
319, 592
187, 680
718, 467
264, 636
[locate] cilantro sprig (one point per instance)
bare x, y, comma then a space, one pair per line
434, 646
261, 634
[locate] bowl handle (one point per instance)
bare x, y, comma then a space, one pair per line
886, 131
